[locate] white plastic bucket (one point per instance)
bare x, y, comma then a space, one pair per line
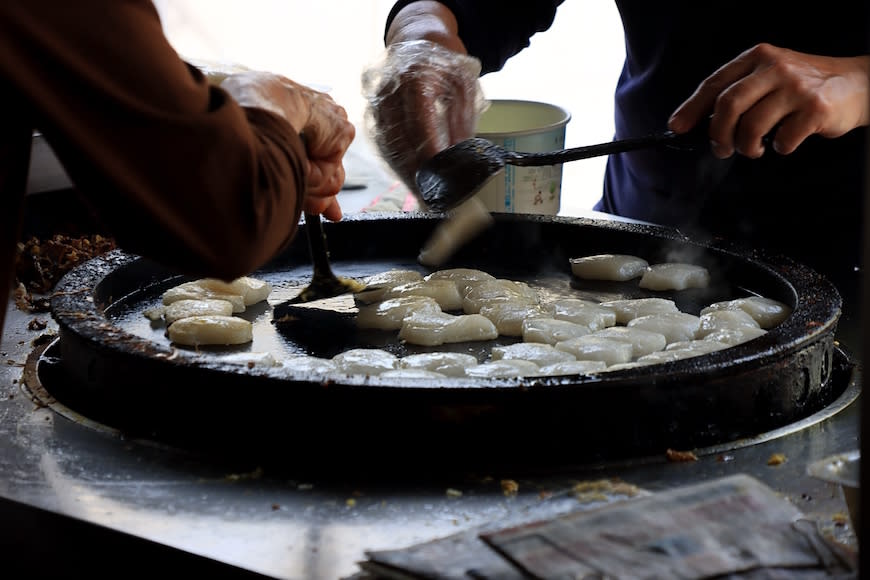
524, 126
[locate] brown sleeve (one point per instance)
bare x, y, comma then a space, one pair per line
176, 169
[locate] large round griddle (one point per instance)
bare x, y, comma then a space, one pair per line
125, 373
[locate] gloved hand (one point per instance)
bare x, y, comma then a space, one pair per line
422, 98
328, 133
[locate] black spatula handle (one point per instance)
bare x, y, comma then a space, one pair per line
620, 146
695, 138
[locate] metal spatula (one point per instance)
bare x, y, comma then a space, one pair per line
324, 283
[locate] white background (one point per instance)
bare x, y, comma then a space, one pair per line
329, 43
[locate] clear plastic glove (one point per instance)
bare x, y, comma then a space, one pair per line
422, 98
323, 122
216, 71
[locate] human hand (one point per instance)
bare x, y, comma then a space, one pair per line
324, 124
768, 86
424, 95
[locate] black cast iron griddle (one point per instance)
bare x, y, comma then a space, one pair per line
124, 372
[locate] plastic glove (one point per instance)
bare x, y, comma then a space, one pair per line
422, 98
216, 71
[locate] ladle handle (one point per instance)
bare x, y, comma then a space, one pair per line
316, 237
317, 243
621, 146
692, 139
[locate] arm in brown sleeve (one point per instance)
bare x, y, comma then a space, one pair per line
177, 170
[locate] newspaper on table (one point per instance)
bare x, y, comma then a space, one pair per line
464, 555
734, 527
729, 526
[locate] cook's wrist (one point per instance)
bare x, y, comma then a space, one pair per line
426, 20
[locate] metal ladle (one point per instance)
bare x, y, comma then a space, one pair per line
324, 283
458, 172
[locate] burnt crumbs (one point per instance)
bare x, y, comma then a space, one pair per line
40, 264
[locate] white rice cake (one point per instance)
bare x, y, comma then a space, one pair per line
683, 350
664, 356
536, 352
465, 222
451, 364
674, 276
599, 348
412, 374
509, 317
211, 329
250, 359
395, 276
702, 346
521, 288
719, 319
305, 365
676, 326
615, 267
766, 311
570, 303
464, 277
584, 312
197, 291
735, 336
365, 361
155, 314
630, 308
552, 330
445, 292
572, 367
378, 284
642, 341
252, 290
389, 314
443, 328
503, 369
487, 292
627, 365
186, 308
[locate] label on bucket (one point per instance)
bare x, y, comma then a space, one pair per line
524, 189
533, 190
524, 126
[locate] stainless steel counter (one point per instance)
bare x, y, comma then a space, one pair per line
74, 492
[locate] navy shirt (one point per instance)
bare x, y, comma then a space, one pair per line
807, 205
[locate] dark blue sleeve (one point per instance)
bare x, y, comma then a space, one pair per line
495, 30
